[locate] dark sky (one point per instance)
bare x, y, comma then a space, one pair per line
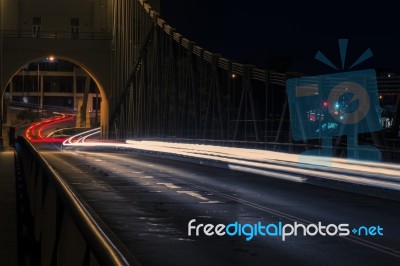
251, 31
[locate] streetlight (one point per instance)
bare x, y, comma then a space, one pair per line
40, 101
38, 89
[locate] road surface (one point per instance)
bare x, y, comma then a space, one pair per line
149, 202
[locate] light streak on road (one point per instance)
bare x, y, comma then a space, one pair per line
79, 139
268, 163
34, 132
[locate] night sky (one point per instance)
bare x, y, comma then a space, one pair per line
252, 31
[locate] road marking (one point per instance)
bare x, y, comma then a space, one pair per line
194, 194
147, 176
211, 202
357, 240
169, 185
270, 173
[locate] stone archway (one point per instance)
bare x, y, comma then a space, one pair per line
93, 56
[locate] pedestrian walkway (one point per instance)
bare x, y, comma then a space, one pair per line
8, 217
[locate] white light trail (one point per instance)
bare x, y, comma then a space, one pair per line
268, 163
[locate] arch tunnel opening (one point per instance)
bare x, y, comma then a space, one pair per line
50, 86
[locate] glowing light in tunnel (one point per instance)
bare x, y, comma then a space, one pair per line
34, 132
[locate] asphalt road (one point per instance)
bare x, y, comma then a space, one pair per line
148, 203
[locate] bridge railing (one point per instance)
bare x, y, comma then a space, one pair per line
166, 86
60, 35
64, 229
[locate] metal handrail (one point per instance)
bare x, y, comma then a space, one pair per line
105, 246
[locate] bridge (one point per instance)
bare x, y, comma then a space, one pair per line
195, 160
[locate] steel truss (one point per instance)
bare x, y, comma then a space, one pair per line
169, 87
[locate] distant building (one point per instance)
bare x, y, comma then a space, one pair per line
73, 17
59, 83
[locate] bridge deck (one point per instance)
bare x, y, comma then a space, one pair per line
377, 179
148, 202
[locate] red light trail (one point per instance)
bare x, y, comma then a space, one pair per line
34, 132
